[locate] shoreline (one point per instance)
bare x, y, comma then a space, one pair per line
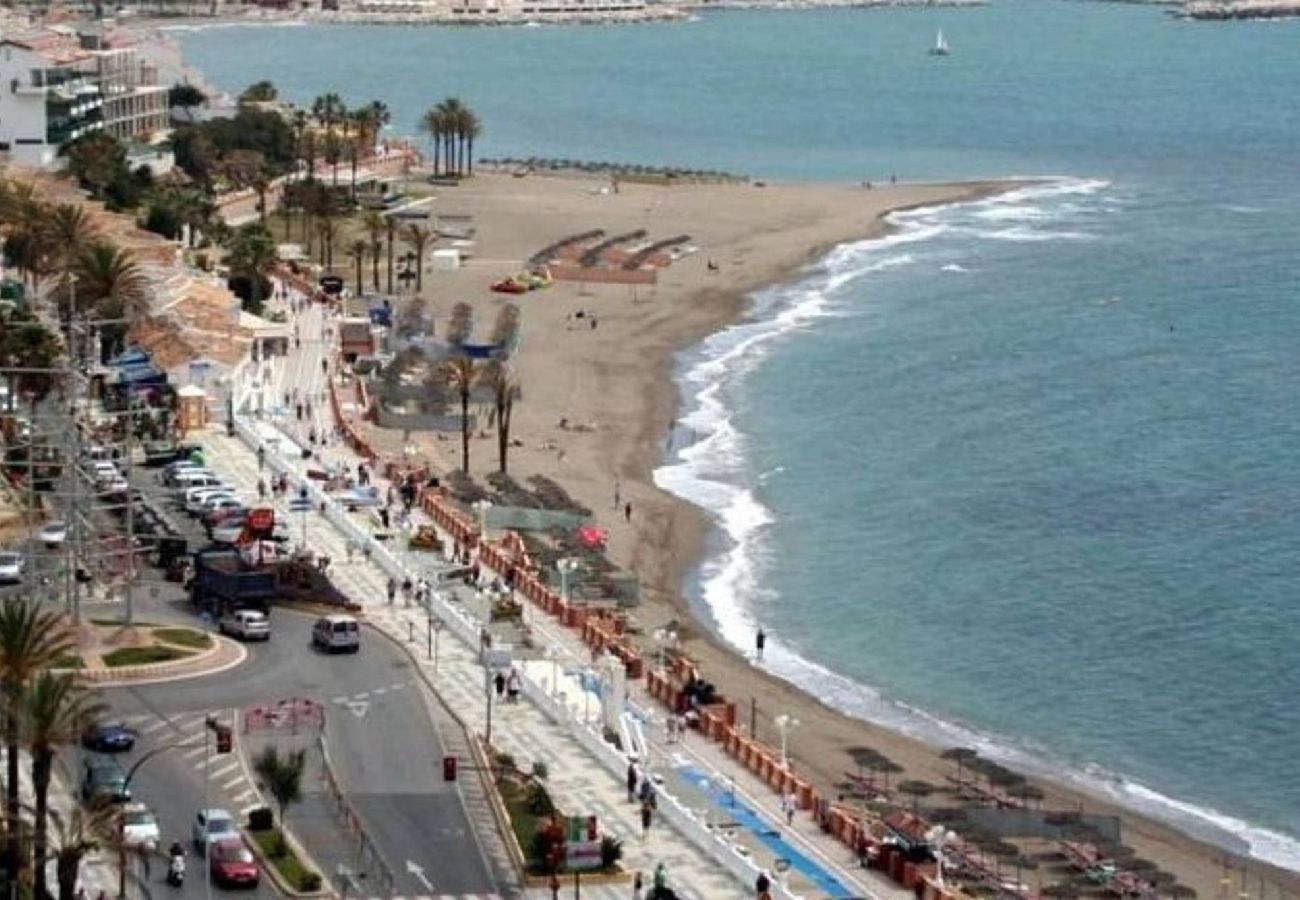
1154, 835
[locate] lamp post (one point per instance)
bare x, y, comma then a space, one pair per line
566, 567
481, 507
785, 724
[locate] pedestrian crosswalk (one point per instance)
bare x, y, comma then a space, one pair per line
188, 734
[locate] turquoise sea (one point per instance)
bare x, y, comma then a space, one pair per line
1024, 473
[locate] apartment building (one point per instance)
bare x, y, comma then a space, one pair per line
58, 84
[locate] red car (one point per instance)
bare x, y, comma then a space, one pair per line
233, 864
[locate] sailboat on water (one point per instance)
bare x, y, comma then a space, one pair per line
940, 47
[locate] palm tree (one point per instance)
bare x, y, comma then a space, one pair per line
505, 391
31, 639
419, 237
83, 830
471, 128
56, 710
252, 256
390, 225
357, 250
451, 110
70, 228
461, 373
112, 280
282, 776
433, 124
328, 229
373, 222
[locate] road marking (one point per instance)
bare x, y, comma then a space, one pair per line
155, 725
193, 752
418, 872
359, 707
225, 770
245, 796
379, 692
397, 686
238, 779
340, 699
361, 696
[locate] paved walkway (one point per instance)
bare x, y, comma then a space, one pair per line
712, 787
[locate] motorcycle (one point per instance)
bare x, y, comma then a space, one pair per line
176, 866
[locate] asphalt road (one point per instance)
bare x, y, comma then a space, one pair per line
380, 737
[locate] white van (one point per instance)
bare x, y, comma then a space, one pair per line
246, 624
332, 633
202, 478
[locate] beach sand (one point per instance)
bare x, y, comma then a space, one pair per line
617, 377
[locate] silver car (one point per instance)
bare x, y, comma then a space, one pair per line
12, 566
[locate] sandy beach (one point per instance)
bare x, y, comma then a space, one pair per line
611, 373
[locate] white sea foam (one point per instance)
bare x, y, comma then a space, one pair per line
709, 472
953, 267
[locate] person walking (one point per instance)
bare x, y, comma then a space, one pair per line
261, 457
631, 781
763, 887
760, 641
787, 807
637, 887
647, 816
392, 590
261, 489
499, 682
661, 880
627, 511
513, 685
618, 494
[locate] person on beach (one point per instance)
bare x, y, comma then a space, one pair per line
627, 511
618, 493
647, 816
760, 641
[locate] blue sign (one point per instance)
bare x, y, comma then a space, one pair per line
300, 505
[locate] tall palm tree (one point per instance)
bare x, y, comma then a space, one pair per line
252, 256
505, 391
419, 237
471, 128
56, 711
328, 229
433, 124
461, 373
357, 250
390, 226
373, 223
31, 639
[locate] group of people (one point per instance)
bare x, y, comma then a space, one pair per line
641, 789
508, 685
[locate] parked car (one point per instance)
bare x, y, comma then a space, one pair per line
113, 487
173, 469
12, 566
246, 624
195, 498
332, 633
108, 737
210, 826
233, 864
103, 777
218, 509
53, 534
228, 530
140, 827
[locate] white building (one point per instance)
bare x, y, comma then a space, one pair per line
56, 85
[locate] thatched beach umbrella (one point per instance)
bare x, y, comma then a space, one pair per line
961, 756
916, 790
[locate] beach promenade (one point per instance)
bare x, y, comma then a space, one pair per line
716, 827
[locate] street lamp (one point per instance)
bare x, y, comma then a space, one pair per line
481, 507
566, 567
785, 724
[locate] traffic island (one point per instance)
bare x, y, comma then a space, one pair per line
282, 863
110, 652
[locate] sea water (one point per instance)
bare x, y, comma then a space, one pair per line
1022, 474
